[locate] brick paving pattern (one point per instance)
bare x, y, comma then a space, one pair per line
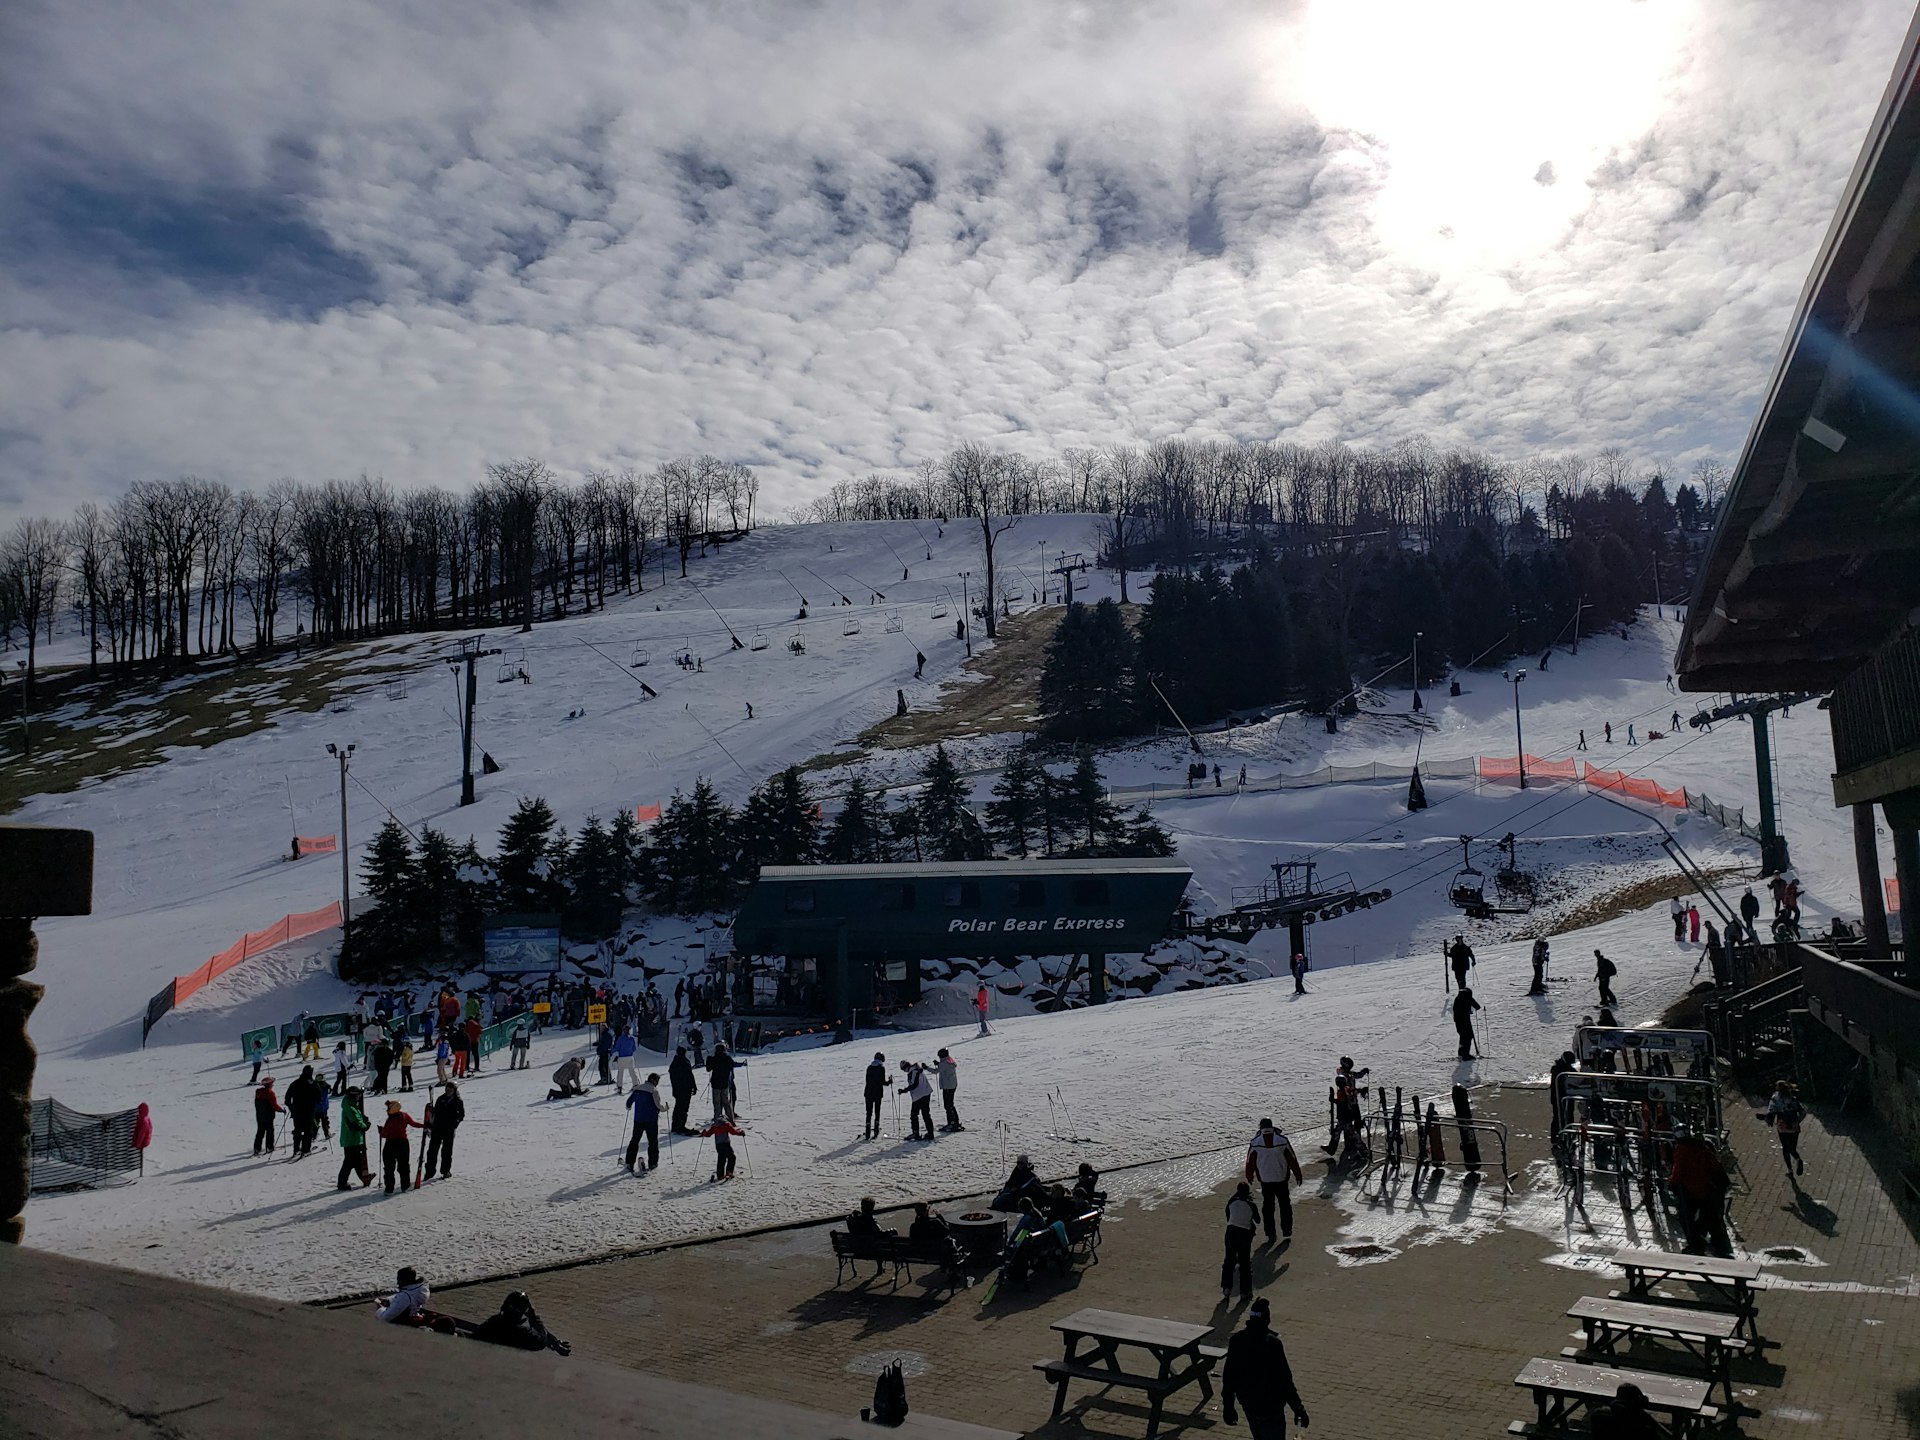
1404, 1314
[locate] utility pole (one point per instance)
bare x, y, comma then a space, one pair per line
343, 756
470, 652
1514, 677
26, 726
1582, 606
966, 610
1416, 671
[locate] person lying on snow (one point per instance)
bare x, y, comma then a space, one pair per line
517, 1325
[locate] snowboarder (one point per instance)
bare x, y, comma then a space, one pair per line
1540, 958
749, 709
1241, 1219
1460, 956
1603, 972
1298, 965
443, 1118
396, 1155
878, 1082
920, 1093
1463, 1007
644, 1102
1258, 1379
1693, 923
949, 1074
626, 1071
566, 1079
1785, 1112
1678, 909
340, 1067
1609, 732
1674, 724
266, 1105
681, 1081
1271, 1161
353, 1140
722, 1133
980, 1002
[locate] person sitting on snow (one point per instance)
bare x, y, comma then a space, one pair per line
408, 1303
518, 1326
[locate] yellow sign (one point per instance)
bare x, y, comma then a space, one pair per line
596, 1014
541, 1007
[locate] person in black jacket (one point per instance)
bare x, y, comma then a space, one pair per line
518, 1326
1258, 1379
720, 1068
382, 1063
1463, 1007
603, 1051
302, 1096
445, 1116
680, 1076
876, 1088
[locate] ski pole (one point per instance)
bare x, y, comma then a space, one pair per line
623, 1130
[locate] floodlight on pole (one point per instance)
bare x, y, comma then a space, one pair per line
343, 756
1514, 677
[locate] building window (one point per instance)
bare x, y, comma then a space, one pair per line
896, 895
1090, 890
963, 895
1029, 895
800, 899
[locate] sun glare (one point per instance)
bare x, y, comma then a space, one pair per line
1488, 115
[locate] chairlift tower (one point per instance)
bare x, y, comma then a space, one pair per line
1757, 708
470, 654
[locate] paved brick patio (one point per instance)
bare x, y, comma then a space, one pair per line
1404, 1314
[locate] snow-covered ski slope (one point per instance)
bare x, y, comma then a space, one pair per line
190, 856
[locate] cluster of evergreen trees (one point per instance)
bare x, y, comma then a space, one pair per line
429, 898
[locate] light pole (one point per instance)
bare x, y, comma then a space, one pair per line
1416, 670
26, 727
1514, 677
966, 610
343, 756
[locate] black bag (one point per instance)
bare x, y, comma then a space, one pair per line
890, 1396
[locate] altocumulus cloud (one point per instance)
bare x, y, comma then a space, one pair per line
407, 238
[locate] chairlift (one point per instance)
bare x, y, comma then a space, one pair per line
852, 627
940, 611
1468, 891
894, 627
796, 646
640, 656
759, 641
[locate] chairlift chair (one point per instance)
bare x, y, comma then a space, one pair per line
796, 646
894, 627
759, 640
640, 656
1468, 890
852, 627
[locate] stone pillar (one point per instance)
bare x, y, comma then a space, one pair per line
42, 872
1873, 900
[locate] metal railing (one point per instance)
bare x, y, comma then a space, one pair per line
1863, 997
1876, 709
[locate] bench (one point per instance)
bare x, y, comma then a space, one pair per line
1563, 1389
1180, 1358
889, 1248
1729, 1284
1083, 1236
1708, 1336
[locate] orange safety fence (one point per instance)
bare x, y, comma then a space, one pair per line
1892, 886
647, 814
304, 845
1637, 787
1507, 767
287, 927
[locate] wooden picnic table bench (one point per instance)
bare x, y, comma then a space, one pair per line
1562, 1389
1707, 1335
1179, 1357
1728, 1284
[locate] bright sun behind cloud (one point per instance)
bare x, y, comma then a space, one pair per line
1488, 115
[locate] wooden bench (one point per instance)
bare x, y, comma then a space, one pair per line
889, 1248
1707, 1335
1728, 1284
1563, 1389
1083, 1236
1177, 1349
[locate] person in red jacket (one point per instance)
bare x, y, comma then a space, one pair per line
395, 1152
722, 1132
143, 1134
1700, 1181
266, 1105
473, 1028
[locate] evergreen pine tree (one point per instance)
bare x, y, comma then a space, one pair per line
1145, 836
386, 934
1094, 825
780, 825
524, 877
948, 828
594, 880
1086, 680
695, 853
1016, 813
437, 895
857, 835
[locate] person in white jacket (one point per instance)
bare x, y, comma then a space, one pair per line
920, 1092
948, 1071
341, 1065
1239, 1256
407, 1301
1271, 1161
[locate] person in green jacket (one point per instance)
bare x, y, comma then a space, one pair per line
353, 1139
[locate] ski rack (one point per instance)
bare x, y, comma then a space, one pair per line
1430, 1125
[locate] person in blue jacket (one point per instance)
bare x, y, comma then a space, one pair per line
644, 1102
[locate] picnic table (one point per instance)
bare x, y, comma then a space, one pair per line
1729, 1284
1707, 1335
1176, 1350
1562, 1389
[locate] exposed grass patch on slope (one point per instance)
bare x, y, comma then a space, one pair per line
999, 692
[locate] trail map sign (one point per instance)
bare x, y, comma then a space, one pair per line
522, 945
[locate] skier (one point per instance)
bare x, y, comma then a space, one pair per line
1784, 1112
1243, 777
259, 1055
444, 1117
749, 709
1270, 1160
382, 1063
920, 1092
566, 1079
603, 1052
1693, 923
1022, 1183
406, 1064
1700, 1181
1583, 741
1675, 722
720, 1068
680, 1078
266, 1105
517, 1325
1347, 1095
396, 1155
722, 1133
1239, 1243
340, 1066
310, 1040
1603, 972
1630, 739
443, 1057
949, 1073
1678, 909
878, 1082
1258, 1379
980, 1002
1540, 958
353, 1140
919, 664
322, 1098
1609, 732
626, 1072
1460, 956
1463, 1007
517, 1047
1298, 965
473, 1027
301, 1095
1216, 777
644, 1102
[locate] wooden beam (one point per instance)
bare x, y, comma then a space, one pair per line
1752, 675
1863, 538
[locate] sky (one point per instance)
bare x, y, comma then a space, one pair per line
412, 237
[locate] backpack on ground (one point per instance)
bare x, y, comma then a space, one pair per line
890, 1396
